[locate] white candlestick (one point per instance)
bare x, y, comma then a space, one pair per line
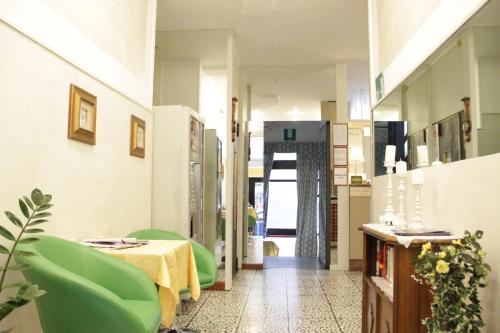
388, 216
423, 156
417, 224
401, 168
417, 177
401, 218
390, 156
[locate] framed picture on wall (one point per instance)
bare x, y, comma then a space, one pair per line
137, 137
340, 134
340, 156
82, 115
340, 176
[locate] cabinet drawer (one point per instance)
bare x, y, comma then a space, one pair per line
385, 324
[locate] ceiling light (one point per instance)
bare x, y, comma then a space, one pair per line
275, 43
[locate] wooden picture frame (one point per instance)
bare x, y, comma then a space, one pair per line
340, 176
340, 156
137, 137
82, 115
234, 120
340, 134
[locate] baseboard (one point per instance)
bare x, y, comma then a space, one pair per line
255, 267
219, 286
356, 264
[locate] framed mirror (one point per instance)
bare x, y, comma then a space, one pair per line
451, 102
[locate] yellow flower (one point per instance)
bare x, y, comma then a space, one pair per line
442, 267
442, 255
422, 254
427, 246
452, 250
481, 254
457, 242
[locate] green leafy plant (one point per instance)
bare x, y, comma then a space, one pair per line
455, 273
35, 211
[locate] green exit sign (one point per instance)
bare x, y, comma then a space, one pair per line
290, 134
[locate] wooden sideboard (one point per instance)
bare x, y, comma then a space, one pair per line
396, 303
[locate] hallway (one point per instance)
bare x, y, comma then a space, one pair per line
280, 300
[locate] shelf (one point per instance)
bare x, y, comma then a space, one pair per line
383, 287
384, 233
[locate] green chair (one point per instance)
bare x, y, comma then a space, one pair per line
89, 291
205, 261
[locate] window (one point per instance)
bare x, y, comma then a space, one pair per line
282, 208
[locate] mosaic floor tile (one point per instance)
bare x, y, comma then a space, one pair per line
279, 300
314, 325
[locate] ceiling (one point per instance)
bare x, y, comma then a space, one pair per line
285, 32
287, 48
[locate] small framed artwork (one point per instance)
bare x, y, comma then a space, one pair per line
340, 134
137, 137
340, 156
82, 115
340, 176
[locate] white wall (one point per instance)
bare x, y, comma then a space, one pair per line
110, 40
213, 91
437, 21
460, 196
98, 190
399, 19
177, 82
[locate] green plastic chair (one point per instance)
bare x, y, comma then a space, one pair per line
89, 291
205, 261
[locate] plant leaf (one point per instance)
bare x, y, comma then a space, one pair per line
28, 240
3, 249
24, 209
40, 215
24, 253
33, 231
37, 222
13, 218
30, 292
45, 207
46, 199
6, 233
37, 197
18, 267
28, 202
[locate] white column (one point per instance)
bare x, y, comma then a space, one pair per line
228, 169
342, 191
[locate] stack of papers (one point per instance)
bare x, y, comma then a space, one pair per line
114, 243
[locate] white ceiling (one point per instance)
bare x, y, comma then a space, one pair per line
208, 45
291, 91
287, 48
291, 32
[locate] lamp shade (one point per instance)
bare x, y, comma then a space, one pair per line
356, 155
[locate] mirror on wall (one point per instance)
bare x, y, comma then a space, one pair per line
389, 133
451, 102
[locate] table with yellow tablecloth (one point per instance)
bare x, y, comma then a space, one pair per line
171, 265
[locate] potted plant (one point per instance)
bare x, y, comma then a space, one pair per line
35, 212
455, 273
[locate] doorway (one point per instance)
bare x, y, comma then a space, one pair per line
296, 209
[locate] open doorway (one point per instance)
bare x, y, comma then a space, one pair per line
296, 210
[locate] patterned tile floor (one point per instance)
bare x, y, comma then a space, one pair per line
279, 300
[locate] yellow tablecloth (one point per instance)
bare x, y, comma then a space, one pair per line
171, 265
